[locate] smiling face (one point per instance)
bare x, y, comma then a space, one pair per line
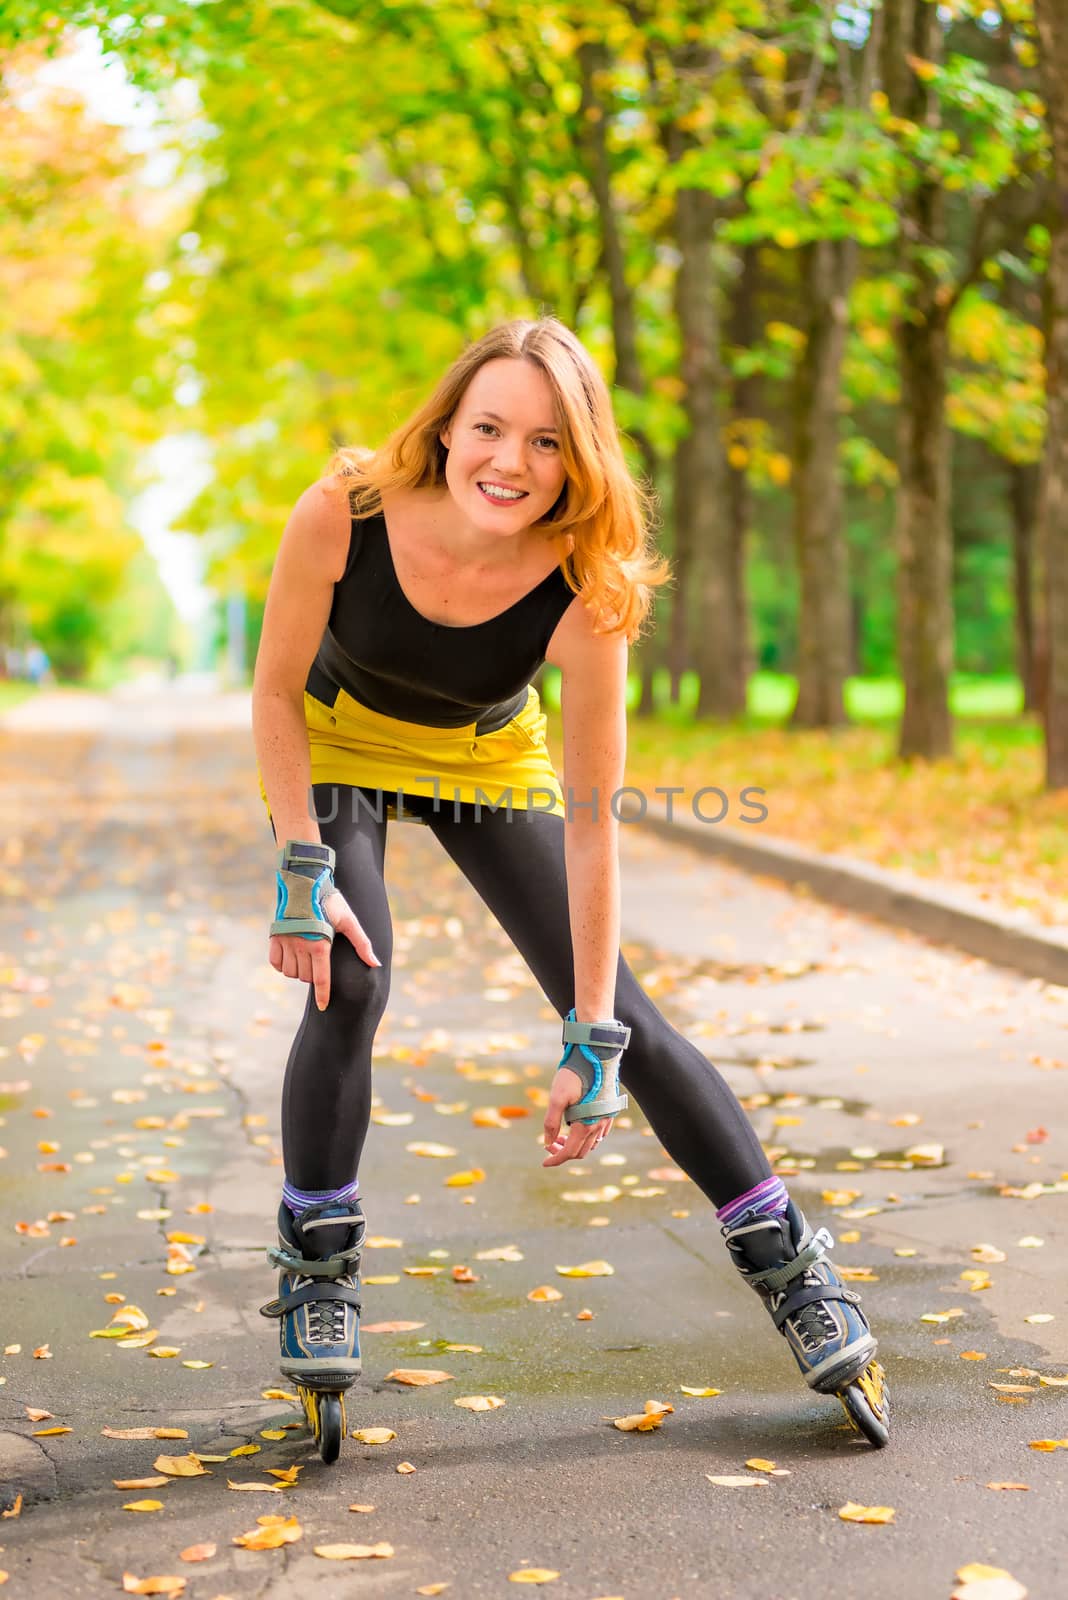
505, 436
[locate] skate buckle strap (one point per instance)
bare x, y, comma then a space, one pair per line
305, 876
589, 1047
815, 1293
332, 1267
312, 1294
779, 1277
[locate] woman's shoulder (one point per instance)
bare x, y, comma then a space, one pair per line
321, 520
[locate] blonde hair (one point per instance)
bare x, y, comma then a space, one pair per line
606, 513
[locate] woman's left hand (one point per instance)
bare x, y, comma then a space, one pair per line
580, 1137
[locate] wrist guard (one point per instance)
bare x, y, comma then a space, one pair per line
305, 875
588, 1047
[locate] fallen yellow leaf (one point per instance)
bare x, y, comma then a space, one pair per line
143, 1505
758, 1464
160, 1585
132, 1316
588, 1269
144, 1433
533, 1575
601, 1196
736, 1482
417, 1376
851, 1512
48, 1433
1008, 1486
405, 1466
181, 1466
272, 1533
374, 1435
1049, 1444
653, 1415
197, 1552
421, 1148
980, 1582
139, 1483
699, 1393
352, 1552
479, 1402
361, 1508
463, 1180
254, 1488
545, 1291
246, 1450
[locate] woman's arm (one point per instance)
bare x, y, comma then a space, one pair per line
311, 559
593, 700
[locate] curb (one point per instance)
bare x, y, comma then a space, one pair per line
934, 911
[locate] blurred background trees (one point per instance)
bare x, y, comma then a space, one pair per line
810, 245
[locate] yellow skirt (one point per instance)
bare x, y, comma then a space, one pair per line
511, 768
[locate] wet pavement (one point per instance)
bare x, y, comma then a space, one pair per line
144, 1038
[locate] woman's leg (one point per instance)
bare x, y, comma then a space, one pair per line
517, 866
326, 1096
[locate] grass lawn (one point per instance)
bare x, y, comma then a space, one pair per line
13, 691
980, 819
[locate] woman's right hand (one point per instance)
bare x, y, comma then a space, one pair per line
309, 959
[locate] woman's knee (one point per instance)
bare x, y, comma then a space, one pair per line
356, 988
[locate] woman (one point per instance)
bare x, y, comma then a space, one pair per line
416, 592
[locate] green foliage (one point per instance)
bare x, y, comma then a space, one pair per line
358, 189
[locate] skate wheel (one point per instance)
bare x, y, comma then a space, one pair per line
866, 1402
331, 1426
325, 1411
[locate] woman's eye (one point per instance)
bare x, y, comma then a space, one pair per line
544, 439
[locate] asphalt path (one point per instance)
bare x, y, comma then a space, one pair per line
144, 1038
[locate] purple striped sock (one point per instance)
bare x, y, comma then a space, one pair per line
299, 1200
768, 1199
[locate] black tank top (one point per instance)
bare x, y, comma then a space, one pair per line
395, 661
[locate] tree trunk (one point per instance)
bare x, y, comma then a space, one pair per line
1052, 25
593, 59
1023, 501
744, 406
924, 540
700, 508
924, 531
682, 560
824, 620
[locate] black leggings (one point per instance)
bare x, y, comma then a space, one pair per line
517, 866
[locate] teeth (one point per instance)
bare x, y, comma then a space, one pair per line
501, 494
